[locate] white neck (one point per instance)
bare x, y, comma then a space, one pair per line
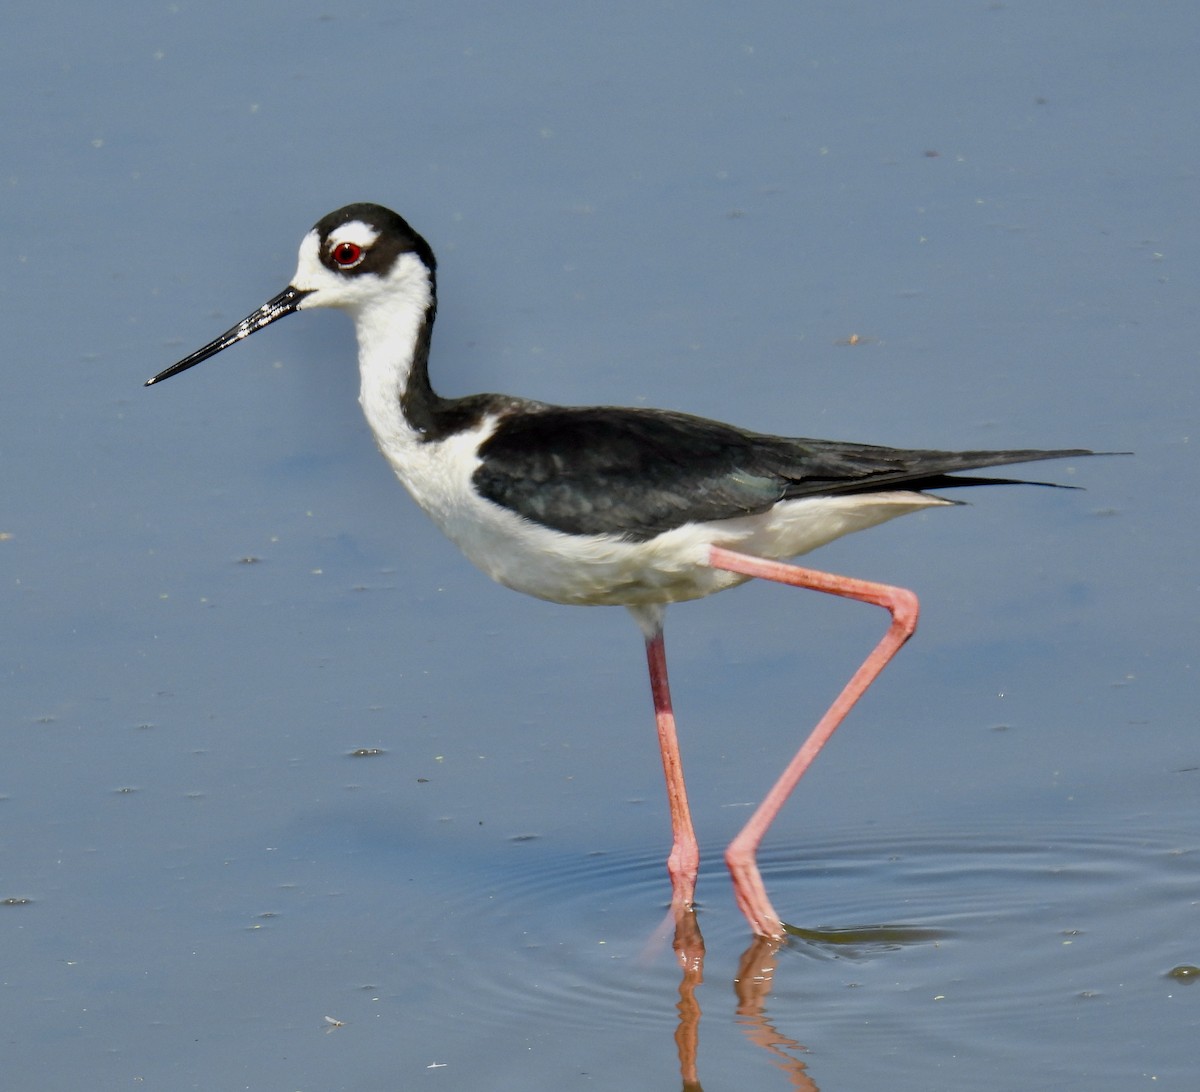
389, 325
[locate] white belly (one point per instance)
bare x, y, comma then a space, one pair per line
607, 569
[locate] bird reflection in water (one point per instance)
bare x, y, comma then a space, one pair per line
754, 978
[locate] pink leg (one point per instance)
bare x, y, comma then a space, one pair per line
684, 861
748, 886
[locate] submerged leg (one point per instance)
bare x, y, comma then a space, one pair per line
901, 604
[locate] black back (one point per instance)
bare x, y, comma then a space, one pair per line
639, 472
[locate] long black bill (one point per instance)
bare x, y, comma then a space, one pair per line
284, 304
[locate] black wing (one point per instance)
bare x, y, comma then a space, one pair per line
637, 473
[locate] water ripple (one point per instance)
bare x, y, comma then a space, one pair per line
983, 925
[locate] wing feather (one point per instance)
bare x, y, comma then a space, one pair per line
638, 473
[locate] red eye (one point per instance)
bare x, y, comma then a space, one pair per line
347, 255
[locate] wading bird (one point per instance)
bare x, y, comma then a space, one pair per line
612, 506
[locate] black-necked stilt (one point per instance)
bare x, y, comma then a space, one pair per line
608, 506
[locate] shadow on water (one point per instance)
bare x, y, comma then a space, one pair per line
859, 941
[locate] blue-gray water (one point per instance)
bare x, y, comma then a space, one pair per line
216, 597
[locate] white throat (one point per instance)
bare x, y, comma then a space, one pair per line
389, 314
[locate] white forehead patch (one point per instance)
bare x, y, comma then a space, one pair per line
354, 232
309, 270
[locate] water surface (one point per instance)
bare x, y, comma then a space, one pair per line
294, 798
